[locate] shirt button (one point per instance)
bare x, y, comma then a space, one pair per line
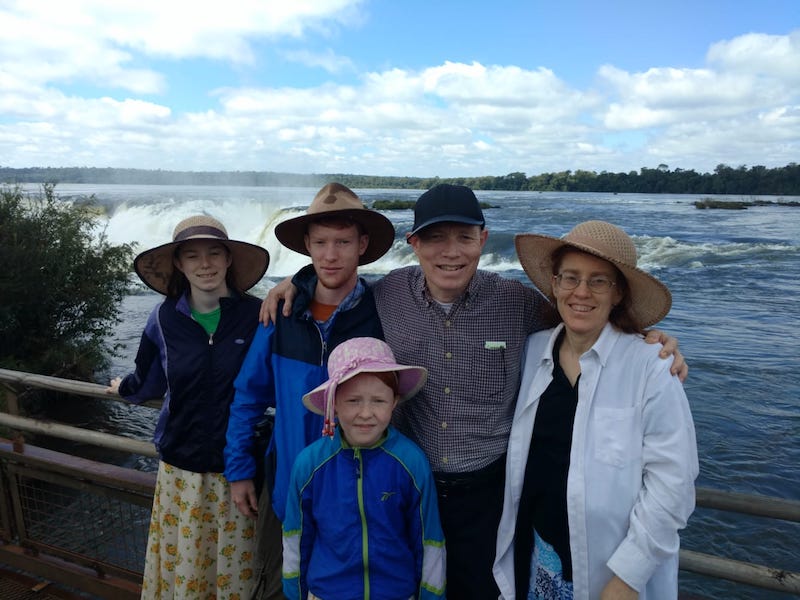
447, 323
447, 390
444, 460
444, 425
448, 355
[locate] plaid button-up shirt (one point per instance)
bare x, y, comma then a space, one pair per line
473, 352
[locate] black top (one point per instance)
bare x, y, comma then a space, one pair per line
543, 504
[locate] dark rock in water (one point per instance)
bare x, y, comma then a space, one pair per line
709, 203
704, 203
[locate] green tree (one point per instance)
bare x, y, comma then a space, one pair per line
60, 285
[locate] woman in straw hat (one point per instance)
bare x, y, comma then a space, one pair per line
602, 455
362, 519
191, 349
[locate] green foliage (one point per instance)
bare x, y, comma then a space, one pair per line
61, 285
408, 204
757, 180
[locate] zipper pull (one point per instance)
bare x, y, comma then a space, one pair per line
359, 466
210, 339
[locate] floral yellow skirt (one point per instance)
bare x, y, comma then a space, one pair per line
200, 545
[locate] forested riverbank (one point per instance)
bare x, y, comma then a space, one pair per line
743, 181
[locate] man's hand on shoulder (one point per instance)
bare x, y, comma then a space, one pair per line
286, 291
679, 365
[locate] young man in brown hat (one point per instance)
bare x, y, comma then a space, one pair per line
289, 357
468, 328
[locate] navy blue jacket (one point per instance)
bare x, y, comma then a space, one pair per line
285, 361
194, 373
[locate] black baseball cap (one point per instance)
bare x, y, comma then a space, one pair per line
446, 203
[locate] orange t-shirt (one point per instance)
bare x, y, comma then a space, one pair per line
322, 312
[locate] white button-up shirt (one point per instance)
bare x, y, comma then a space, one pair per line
632, 468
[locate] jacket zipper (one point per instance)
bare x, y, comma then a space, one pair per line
364, 536
323, 345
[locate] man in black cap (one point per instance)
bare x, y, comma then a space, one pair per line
468, 328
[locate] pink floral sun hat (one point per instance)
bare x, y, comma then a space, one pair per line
356, 356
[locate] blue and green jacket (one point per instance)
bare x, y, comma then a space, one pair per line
286, 360
363, 523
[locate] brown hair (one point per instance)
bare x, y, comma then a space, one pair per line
390, 379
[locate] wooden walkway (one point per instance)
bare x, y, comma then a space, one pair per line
21, 586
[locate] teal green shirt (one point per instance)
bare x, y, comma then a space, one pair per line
209, 320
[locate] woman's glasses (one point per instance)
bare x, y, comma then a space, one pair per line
600, 285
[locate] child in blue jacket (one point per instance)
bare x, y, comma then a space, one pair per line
362, 519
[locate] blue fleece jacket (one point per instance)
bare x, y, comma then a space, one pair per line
363, 523
285, 361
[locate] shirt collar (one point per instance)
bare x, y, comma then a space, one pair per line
601, 348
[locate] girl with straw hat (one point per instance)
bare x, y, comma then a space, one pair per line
191, 349
602, 456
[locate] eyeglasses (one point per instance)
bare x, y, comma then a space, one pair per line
601, 285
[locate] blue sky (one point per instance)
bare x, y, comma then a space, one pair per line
412, 87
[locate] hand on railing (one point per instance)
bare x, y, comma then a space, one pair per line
113, 387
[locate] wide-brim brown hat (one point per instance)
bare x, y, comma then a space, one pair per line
650, 300
335, 200
248, 261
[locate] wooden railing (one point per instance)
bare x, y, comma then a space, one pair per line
760, 576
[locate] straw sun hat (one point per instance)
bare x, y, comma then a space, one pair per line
248, 261
650, 300
335, 200
356, 356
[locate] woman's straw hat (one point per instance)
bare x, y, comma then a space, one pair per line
248, 261
650, 300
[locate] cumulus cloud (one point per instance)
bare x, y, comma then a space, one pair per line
94, 39
758, 54
452, 118
745, 98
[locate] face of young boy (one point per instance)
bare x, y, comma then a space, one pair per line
364, 407
335, 252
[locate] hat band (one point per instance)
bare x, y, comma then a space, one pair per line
200, 230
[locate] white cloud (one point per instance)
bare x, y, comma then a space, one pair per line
758, 54
93, 40
328, 60
663, 96
453, 118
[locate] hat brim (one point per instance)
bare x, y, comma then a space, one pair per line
446, 219
650, 300
410, 381
291, 233
248, 263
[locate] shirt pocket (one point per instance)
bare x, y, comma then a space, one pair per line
486, 374
617, 440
